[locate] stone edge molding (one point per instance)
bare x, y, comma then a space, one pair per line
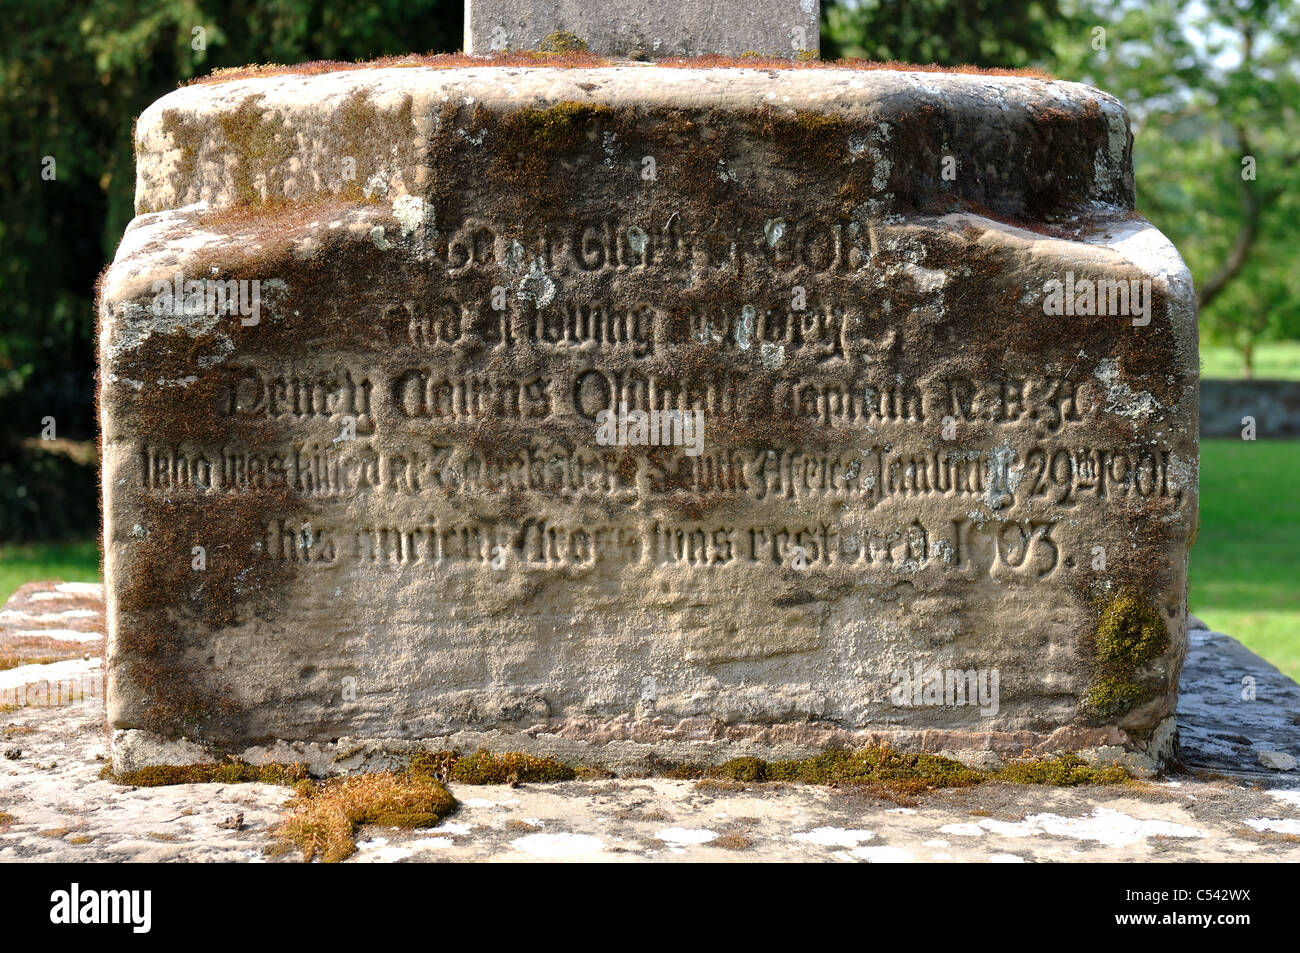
183, 156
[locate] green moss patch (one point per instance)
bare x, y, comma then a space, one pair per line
896, 771
1130, 633
1110, 697
559, 128
807, 137
563, 41
1067, 771
227, 772
325, 818
903, 773
513, 767
259, 144
262, 145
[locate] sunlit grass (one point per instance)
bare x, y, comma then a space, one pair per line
1278, 360
1246, 562
58, 562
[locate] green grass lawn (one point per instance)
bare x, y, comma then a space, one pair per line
65, 562
1278, 360
1245, 565
1246, 562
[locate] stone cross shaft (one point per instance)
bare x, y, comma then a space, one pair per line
629, 29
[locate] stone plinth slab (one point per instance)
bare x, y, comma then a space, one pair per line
52, 644
55, 804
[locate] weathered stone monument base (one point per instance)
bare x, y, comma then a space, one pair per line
382, 351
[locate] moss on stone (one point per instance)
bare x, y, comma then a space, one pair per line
1130, 633
484, 767
896, 771
325, 818
186, 142
743, 769
819, 124
807, 138
261, 145
435, 764
904, 773
1110, 696
559, 128
1068, 770
563, 41
226, 772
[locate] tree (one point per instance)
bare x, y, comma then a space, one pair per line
1006, 33
73, 76
1213, 89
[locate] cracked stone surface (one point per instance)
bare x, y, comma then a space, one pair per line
1236, 712
59, 809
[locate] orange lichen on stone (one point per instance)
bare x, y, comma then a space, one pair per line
584, 60
427, 60
715, 61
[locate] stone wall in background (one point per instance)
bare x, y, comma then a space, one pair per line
1273, 405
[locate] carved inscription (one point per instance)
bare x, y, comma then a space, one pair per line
1063, 476
962, 545
812, 410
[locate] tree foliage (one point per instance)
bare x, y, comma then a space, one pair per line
1213, 89
1007, 33
73, 77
